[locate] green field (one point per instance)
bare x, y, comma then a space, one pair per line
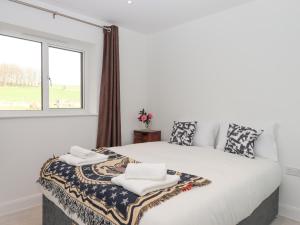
70, 96
29, 98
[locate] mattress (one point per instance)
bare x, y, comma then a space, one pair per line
239, 185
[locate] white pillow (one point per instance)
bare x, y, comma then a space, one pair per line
222, 136
265, 145
206, 134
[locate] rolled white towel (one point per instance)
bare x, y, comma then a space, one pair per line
143, 187
82, 152
75, 161
146, 171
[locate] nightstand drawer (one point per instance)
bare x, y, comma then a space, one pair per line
138, 138
141, 136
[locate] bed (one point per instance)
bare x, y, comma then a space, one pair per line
242, 191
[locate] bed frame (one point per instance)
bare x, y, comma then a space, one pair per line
264, 214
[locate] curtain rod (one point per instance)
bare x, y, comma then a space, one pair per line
55, 13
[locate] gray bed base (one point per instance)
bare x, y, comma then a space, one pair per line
264, 214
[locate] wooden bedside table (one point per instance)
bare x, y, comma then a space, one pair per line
142, 136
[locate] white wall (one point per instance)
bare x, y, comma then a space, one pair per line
25, 143
134, 86
242, 65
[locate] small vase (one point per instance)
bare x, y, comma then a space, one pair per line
147, 126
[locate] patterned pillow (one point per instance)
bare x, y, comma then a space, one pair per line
240, 140
183, 133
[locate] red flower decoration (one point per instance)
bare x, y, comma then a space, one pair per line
145, 117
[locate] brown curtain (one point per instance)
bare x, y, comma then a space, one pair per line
109, 121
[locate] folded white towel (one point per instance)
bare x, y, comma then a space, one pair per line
143, 187
82, 152
146, 171
75, 161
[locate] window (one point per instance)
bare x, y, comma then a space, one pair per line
65, 69
37, 76
20, 74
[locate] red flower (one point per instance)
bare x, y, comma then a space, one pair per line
143, 118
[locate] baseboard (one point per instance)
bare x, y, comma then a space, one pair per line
289, 212
20, 204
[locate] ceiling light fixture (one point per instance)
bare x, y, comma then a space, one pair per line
129, 2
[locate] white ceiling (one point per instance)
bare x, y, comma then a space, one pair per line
146, 16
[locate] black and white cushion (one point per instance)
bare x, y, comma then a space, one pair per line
183, 133
241, 140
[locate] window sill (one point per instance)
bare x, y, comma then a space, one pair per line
32, 115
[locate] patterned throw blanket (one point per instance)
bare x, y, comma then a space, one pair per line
87, 191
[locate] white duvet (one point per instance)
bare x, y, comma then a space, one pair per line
239, 185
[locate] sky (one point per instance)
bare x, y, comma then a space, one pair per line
64, 66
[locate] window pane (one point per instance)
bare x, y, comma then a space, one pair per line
20, 74
65, 71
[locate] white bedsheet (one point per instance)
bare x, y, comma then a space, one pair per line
239, 185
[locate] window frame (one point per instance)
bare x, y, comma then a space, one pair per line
25, 39
45, 111
81, 78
